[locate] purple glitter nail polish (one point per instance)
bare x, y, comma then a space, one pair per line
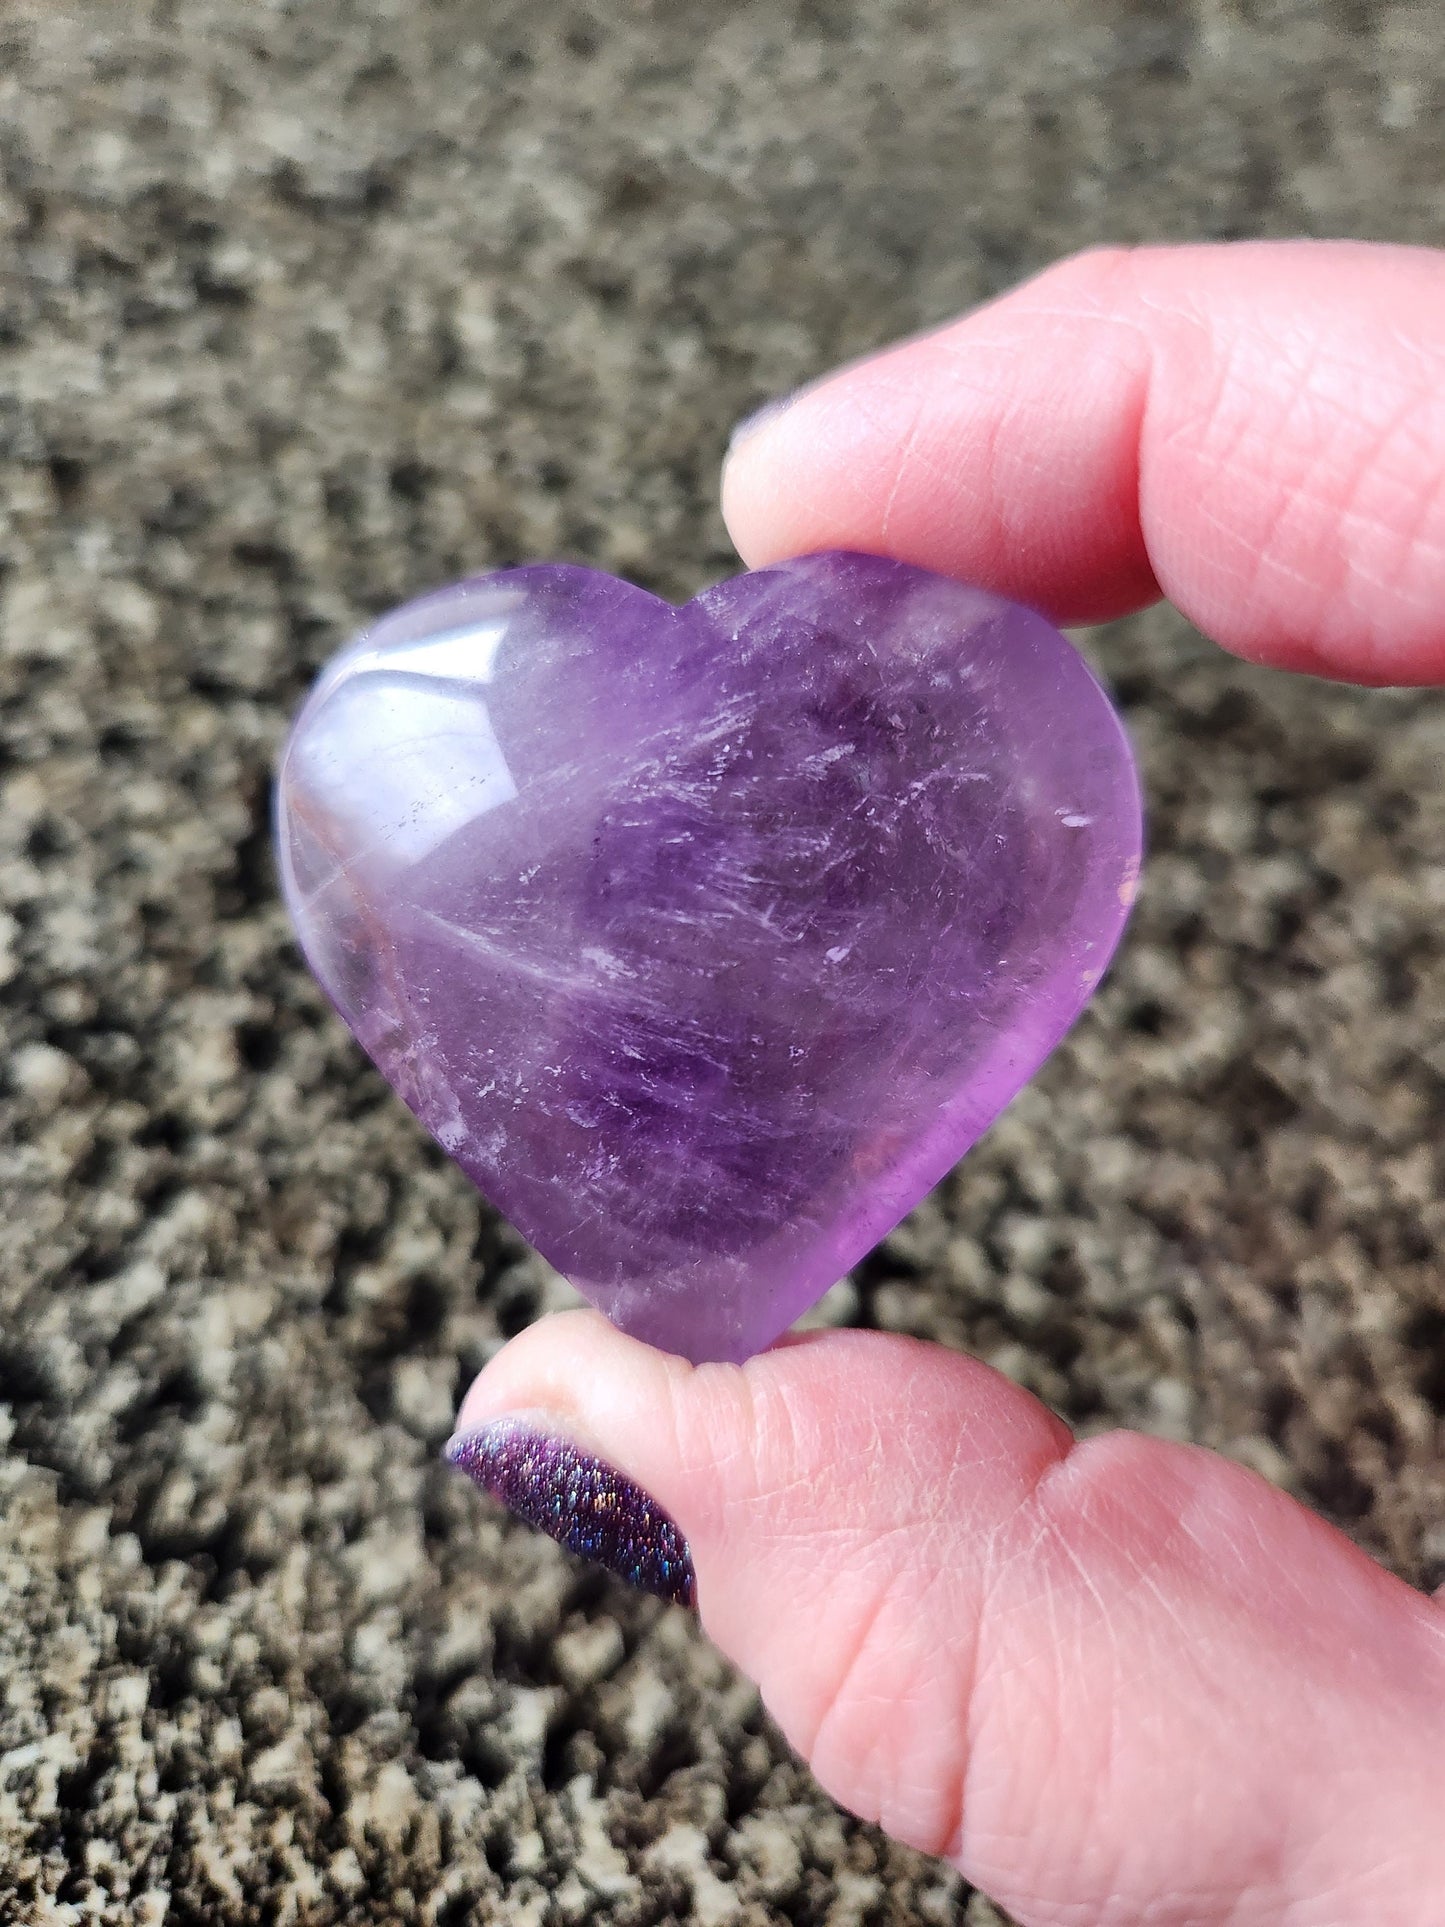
579, 1501
706, 940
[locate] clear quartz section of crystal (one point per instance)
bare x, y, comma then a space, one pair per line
706, 940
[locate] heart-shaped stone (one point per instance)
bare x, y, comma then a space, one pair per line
706, 940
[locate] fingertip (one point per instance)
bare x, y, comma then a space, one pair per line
568, 1364
800, 474
746, 1454
1252, 429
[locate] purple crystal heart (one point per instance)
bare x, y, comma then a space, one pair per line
706, 940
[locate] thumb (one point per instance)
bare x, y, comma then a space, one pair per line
1111, 1680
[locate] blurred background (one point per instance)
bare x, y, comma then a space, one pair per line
305, 306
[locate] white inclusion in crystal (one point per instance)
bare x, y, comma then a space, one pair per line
837, 953
402, 749
604, 962
1073, 821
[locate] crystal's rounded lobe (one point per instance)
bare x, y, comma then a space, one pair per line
706, 940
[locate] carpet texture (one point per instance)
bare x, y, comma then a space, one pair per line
306, 307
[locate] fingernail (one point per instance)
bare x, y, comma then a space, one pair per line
760, 417
579, 1501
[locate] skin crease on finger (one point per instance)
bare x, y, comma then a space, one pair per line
1256, 431
1124, 1681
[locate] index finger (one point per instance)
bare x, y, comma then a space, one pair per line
1254, 430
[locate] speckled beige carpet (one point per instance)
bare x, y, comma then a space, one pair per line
306, 305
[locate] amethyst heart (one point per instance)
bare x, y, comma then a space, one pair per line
706, 940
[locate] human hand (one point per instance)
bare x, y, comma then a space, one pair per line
1123, 1680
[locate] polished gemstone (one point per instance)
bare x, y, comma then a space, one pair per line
706, 940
